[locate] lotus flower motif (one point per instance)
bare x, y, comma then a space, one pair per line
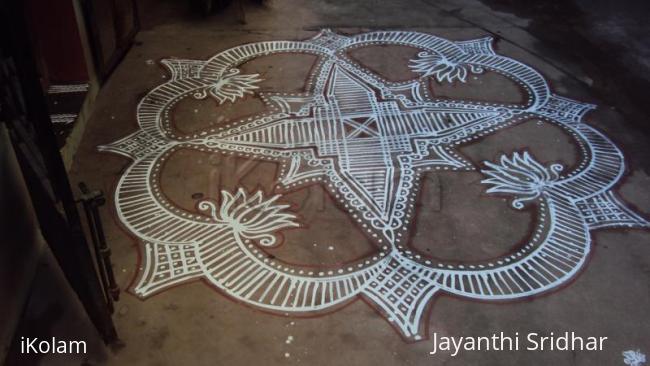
442, 68
252, 217
231, 86
520, 175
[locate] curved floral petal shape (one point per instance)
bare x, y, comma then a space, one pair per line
253, 217
231, 87
443, 69
520, 175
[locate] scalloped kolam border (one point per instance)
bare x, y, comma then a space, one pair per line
398, 283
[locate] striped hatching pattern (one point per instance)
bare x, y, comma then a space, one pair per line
369, 145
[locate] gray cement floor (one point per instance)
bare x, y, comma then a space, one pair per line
456, 221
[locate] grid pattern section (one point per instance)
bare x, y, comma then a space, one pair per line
565, 109
168, 264
605, 210
403, 291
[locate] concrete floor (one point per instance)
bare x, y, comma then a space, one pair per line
456, 221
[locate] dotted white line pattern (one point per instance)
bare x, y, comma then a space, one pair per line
367, 141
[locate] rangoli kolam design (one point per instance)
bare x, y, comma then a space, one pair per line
368, 142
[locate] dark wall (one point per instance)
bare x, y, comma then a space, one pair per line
56, 41
20, 242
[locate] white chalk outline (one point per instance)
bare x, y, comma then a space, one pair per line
368, 141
